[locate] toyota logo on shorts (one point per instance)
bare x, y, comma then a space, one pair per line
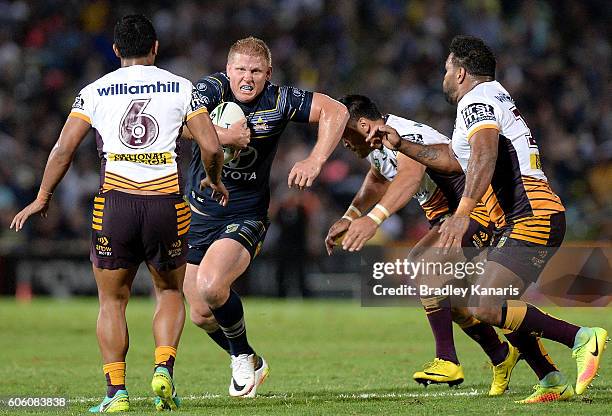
245, 159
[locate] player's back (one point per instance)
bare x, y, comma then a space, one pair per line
137, 112
519, 187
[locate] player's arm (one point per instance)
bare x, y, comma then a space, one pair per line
60, 158
237, 135
481, 165
332, 117
372, 190
399, 192
438, 157
205, 136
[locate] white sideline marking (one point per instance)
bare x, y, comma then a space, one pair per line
471, 392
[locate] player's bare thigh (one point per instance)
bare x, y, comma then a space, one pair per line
223, 263
489, 308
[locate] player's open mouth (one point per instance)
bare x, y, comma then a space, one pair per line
246, 88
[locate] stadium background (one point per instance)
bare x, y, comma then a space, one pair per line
553, 56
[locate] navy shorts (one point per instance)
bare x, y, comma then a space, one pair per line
128, 229
205, 230
526, 246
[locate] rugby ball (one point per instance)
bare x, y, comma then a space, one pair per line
224, 115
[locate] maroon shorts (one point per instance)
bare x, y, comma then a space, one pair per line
128, 229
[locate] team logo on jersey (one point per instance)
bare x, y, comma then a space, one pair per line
79, 102
260, 125
477, 112
201, 86
245, 159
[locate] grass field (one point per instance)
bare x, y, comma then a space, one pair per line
326, 357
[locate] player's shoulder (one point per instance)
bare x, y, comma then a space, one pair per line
169, 75
415, 131
218, 81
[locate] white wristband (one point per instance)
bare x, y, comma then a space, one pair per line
384, 210
346, 217
374, 218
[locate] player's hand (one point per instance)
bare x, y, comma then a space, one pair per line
38, 206
335, 233
452, 231
359, 232
239, 135
219, 192
304, 173
384, 135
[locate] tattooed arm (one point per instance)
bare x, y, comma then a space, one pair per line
481, 166
438, 157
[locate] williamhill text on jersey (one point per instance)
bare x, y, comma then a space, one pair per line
121, 89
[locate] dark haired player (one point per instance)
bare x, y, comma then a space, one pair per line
224, 240
501, 160
394, 179
139, 213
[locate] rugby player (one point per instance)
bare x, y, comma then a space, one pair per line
494, 147
393, 179
139, 214
224, 240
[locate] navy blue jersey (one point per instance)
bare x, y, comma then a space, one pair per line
247, 178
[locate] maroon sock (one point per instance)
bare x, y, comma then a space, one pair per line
487, 338
441, 322
541, 324
533, 352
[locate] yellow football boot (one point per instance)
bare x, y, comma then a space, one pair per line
163, 387
503, 371
440, 371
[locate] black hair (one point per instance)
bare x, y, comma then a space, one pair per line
360, 106
134, 36
474, 55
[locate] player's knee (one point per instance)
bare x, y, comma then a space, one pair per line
203, 318
118, 298
213, 292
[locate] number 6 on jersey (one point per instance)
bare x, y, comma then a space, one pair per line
138, 129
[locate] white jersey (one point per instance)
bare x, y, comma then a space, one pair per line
519, 187
384, 160
137, 112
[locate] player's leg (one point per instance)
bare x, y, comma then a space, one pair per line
503, 355
223, 263
445, 368
165, 221
113, 294
553, 385
168, 323
199, 312
115, 261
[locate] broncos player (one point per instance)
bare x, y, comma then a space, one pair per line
493, 145
224, 240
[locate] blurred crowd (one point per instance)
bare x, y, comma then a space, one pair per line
553, 56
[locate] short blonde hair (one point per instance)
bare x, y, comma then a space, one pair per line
251, 46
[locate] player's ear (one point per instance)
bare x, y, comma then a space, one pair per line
461, 74
363, 125
155, 48
116, 50
269, 73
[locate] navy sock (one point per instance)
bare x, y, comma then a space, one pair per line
487, 338
220, 339
230, 317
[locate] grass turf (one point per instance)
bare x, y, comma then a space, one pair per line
326, 357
